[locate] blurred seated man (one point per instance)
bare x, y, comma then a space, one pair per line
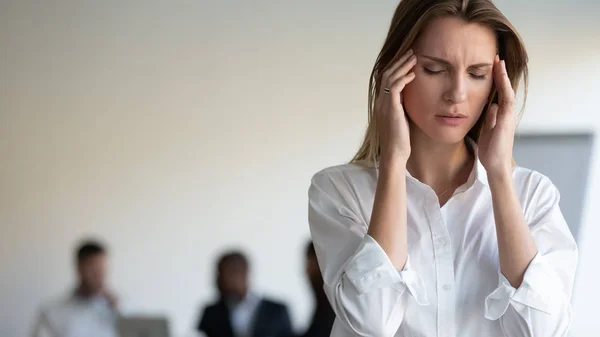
323, 316
239, 312
89, 310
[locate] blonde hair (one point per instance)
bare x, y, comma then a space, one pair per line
409, 21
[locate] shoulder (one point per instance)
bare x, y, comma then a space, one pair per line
344, 177
210, 308
535, 190
55, 306
210, 314
530, 182
350, 170
273, 305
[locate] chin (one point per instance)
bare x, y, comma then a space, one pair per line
446, 135
450, 139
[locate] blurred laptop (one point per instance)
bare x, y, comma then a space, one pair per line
143, 326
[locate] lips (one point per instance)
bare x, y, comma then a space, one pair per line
451, 119
452, 116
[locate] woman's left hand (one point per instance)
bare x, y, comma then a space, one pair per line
498, 132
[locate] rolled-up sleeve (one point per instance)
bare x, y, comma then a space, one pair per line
541, 305
364, 288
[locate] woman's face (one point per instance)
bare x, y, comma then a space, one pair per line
453, 78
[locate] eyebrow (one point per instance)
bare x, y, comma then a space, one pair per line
442, 61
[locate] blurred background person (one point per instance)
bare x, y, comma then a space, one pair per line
89, 310
240, 312
323, 315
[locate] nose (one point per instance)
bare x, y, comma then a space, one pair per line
457, 90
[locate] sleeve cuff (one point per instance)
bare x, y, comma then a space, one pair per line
537, 291
370, 268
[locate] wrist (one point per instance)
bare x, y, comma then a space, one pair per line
392, 164
500, 177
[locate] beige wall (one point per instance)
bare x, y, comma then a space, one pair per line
174, 128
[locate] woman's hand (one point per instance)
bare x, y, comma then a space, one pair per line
498, 133
392, 123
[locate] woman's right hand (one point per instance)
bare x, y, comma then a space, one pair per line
394, 138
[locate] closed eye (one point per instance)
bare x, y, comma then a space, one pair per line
432, 72
478, 77
437, 72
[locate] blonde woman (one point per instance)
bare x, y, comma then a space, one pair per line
432, 230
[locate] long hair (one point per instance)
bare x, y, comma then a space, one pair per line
409, 21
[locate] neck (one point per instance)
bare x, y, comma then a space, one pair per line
234, 299
442, 166
84, 292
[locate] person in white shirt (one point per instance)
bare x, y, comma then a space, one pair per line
432, 229
90, 310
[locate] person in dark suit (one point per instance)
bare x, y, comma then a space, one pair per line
239, 312
323, 316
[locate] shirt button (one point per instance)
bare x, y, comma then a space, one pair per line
442, 241
446, 287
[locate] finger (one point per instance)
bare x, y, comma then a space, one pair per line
393, 66
397, 87
491, 117
403, 70
506, 94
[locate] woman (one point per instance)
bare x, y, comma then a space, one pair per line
431, 230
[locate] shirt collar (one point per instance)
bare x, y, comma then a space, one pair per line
75, 295
250, 299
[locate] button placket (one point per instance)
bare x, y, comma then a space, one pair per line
444, 265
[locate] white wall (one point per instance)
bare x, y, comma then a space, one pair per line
173, 129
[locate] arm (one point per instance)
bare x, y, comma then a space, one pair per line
537, 253
538, 258
388, 219
367, 272
365, 289
516, 246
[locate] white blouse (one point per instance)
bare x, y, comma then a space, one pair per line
451, 284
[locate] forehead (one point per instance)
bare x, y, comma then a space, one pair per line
232, 265
457, 41
94, 260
